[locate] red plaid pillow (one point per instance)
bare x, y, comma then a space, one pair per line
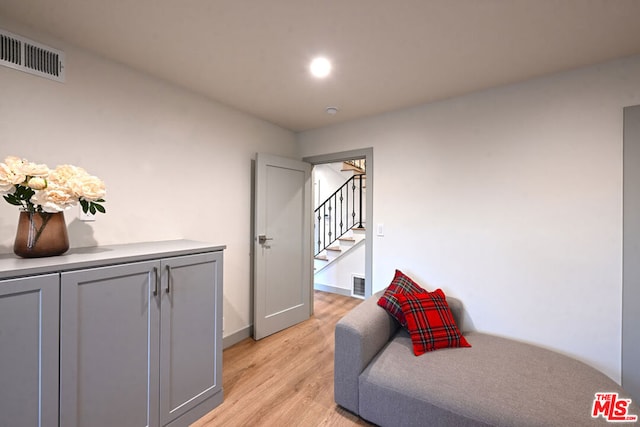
401, 284
430, 322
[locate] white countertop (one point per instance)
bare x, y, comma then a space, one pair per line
75, 258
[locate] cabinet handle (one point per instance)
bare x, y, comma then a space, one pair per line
168, 278
155, 286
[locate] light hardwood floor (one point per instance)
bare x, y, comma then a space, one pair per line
285, 379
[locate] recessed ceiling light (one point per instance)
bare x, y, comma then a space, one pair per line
331, 110
320, 67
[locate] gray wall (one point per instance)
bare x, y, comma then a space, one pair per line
631, 248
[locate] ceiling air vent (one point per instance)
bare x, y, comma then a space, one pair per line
26, 55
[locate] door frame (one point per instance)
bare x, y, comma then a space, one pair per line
630, 339
367, 154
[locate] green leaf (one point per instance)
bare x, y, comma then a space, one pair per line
92, 209
24, 193
10, 198
100, 208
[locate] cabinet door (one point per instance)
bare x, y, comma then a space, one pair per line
190, 336
109, 346
29, 351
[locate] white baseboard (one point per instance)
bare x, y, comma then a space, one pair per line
236, 337
332, 289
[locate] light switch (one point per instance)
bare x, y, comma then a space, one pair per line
380, 230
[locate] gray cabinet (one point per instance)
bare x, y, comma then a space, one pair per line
109, 358
190, 336
123, 335
140, 343
29, 351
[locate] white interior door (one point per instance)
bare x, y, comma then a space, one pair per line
283, 276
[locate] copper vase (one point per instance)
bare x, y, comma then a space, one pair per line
41, 234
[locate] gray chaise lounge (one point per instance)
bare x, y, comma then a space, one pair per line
497, 381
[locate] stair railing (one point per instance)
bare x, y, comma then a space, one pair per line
339, 213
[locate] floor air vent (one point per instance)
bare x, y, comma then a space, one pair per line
22, 54
358, 286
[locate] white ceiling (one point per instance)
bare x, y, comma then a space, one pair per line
387, 54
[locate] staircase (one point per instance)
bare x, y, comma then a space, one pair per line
339, 249
339, 235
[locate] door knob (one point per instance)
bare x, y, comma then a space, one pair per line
262, 239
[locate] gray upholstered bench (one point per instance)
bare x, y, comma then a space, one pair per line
496, 381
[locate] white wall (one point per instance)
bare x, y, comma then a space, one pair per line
176, 164
511, 200
327, 178
339, 274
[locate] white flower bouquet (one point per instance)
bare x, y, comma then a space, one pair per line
36, 188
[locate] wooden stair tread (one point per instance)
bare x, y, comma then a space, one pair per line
334, 248
346, 167
346, 239
321, 258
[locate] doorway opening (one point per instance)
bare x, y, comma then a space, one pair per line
342, 218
